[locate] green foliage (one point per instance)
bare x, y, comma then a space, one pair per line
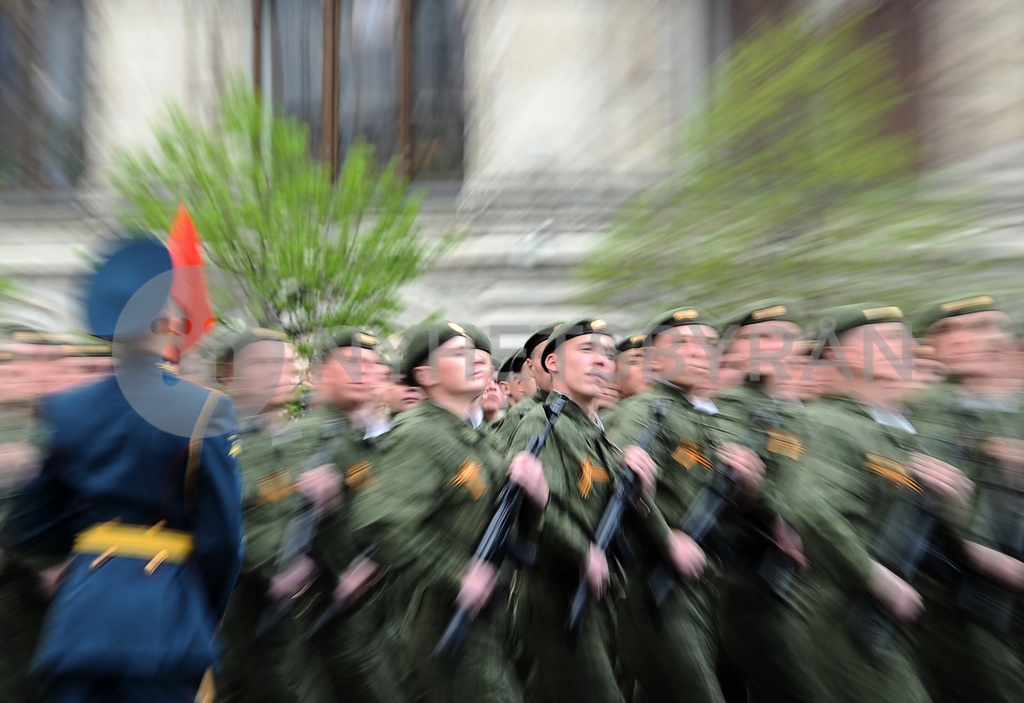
300, 252
790, 182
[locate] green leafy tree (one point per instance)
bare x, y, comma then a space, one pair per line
300, 252
790, 182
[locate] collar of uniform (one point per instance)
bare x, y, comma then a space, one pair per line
571, 409
890, 418
462, 423
974, 402
701, 405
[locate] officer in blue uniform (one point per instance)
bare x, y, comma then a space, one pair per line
138, 489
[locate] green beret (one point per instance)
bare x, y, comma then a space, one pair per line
762, 311
425, 338
680, 317
255, 334
539, 337
635, 341
512, 364
353, 337
570, 330
953, 307
844, 318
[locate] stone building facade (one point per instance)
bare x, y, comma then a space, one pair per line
528, 121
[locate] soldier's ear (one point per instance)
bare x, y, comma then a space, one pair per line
422, 376
551, 362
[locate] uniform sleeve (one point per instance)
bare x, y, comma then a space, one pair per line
560, 539
40, 519
395, 514
626, 427
821, 514
216, 516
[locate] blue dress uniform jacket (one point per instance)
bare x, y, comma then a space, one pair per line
114, 456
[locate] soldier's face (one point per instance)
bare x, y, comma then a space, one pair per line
401, 397
541, 377
265, 374
973, 345
631, 372
762, 347
682, 355
493, 398
352, 377
456, 368
582, 367
880, 353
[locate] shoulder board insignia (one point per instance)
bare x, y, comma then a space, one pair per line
786, 444
469, 476
590, 474
890, 470
274, 487
689, 454
234, 446
359, 475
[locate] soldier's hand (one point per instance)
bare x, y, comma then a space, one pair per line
895, 594
746, 465
1008, 452
596, 571
945, 480
292, 580
477, 585
996, 565
644, 467
354, 582
322, 486
526, 470
686, 555
49, 579
789, 542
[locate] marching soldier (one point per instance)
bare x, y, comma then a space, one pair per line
259, 664
631, 373
438, 478
399, 394
541, 378
966, 646
516, 383
351, 651
580, 464
138, 489
867, 471
671, 652
492, 402
762, 629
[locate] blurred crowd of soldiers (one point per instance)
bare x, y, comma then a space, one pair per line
840, 510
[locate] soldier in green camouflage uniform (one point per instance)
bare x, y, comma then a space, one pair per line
865, 460
580, 464
542, 379
434, 495
258, 370
352, 655
972, 422
763, 630
515, 382
23, 577
671, 652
